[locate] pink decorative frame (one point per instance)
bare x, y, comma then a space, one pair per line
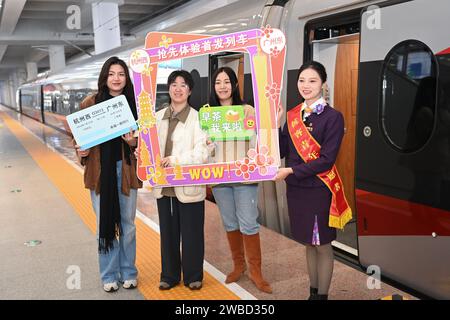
266, 49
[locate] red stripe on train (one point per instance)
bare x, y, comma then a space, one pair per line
446, 51
380, 215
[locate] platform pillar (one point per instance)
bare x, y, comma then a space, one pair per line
32, 70
57, 57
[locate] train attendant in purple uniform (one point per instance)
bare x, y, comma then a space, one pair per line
310, 141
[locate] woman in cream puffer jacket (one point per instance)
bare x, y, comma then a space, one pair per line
181, 209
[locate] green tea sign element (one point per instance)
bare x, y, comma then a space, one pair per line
225, 123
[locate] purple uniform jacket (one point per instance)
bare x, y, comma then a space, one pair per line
328, 130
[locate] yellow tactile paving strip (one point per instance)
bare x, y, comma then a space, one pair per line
70, 182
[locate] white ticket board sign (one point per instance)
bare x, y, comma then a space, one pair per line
101, 122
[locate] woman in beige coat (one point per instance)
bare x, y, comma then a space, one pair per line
181, 209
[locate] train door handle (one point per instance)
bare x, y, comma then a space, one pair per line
367, 131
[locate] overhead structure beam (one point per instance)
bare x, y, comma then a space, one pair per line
138, 9
12, 63
78, 48
58, 6
8, 20
10, 15
2, 50
47, 38
185, 11
35, 55
27, 28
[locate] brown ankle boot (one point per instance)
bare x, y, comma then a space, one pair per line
237, 253
253, 252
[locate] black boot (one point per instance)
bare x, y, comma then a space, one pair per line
322, 297
313, 293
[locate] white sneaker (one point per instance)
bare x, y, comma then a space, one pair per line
110, 287
130, 284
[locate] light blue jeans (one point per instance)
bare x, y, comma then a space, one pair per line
119, 263
238, 207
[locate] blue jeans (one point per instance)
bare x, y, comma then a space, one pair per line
238, 207
119, 263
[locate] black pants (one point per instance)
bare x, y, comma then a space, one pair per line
184, 221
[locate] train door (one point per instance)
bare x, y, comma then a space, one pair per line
403, 144
334, 41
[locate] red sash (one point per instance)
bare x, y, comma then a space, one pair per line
309, 149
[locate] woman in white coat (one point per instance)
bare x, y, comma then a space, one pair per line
181, 209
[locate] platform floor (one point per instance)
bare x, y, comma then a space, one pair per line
42, 198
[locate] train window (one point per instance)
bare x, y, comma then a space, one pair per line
162, 100
408, 93
334, 31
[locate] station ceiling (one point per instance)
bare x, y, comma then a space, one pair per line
27, 27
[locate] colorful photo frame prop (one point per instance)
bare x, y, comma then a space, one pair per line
267, 49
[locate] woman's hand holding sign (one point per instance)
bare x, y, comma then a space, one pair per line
129, 138
81, 153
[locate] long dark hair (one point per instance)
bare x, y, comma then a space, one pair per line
103, 90
235, 95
